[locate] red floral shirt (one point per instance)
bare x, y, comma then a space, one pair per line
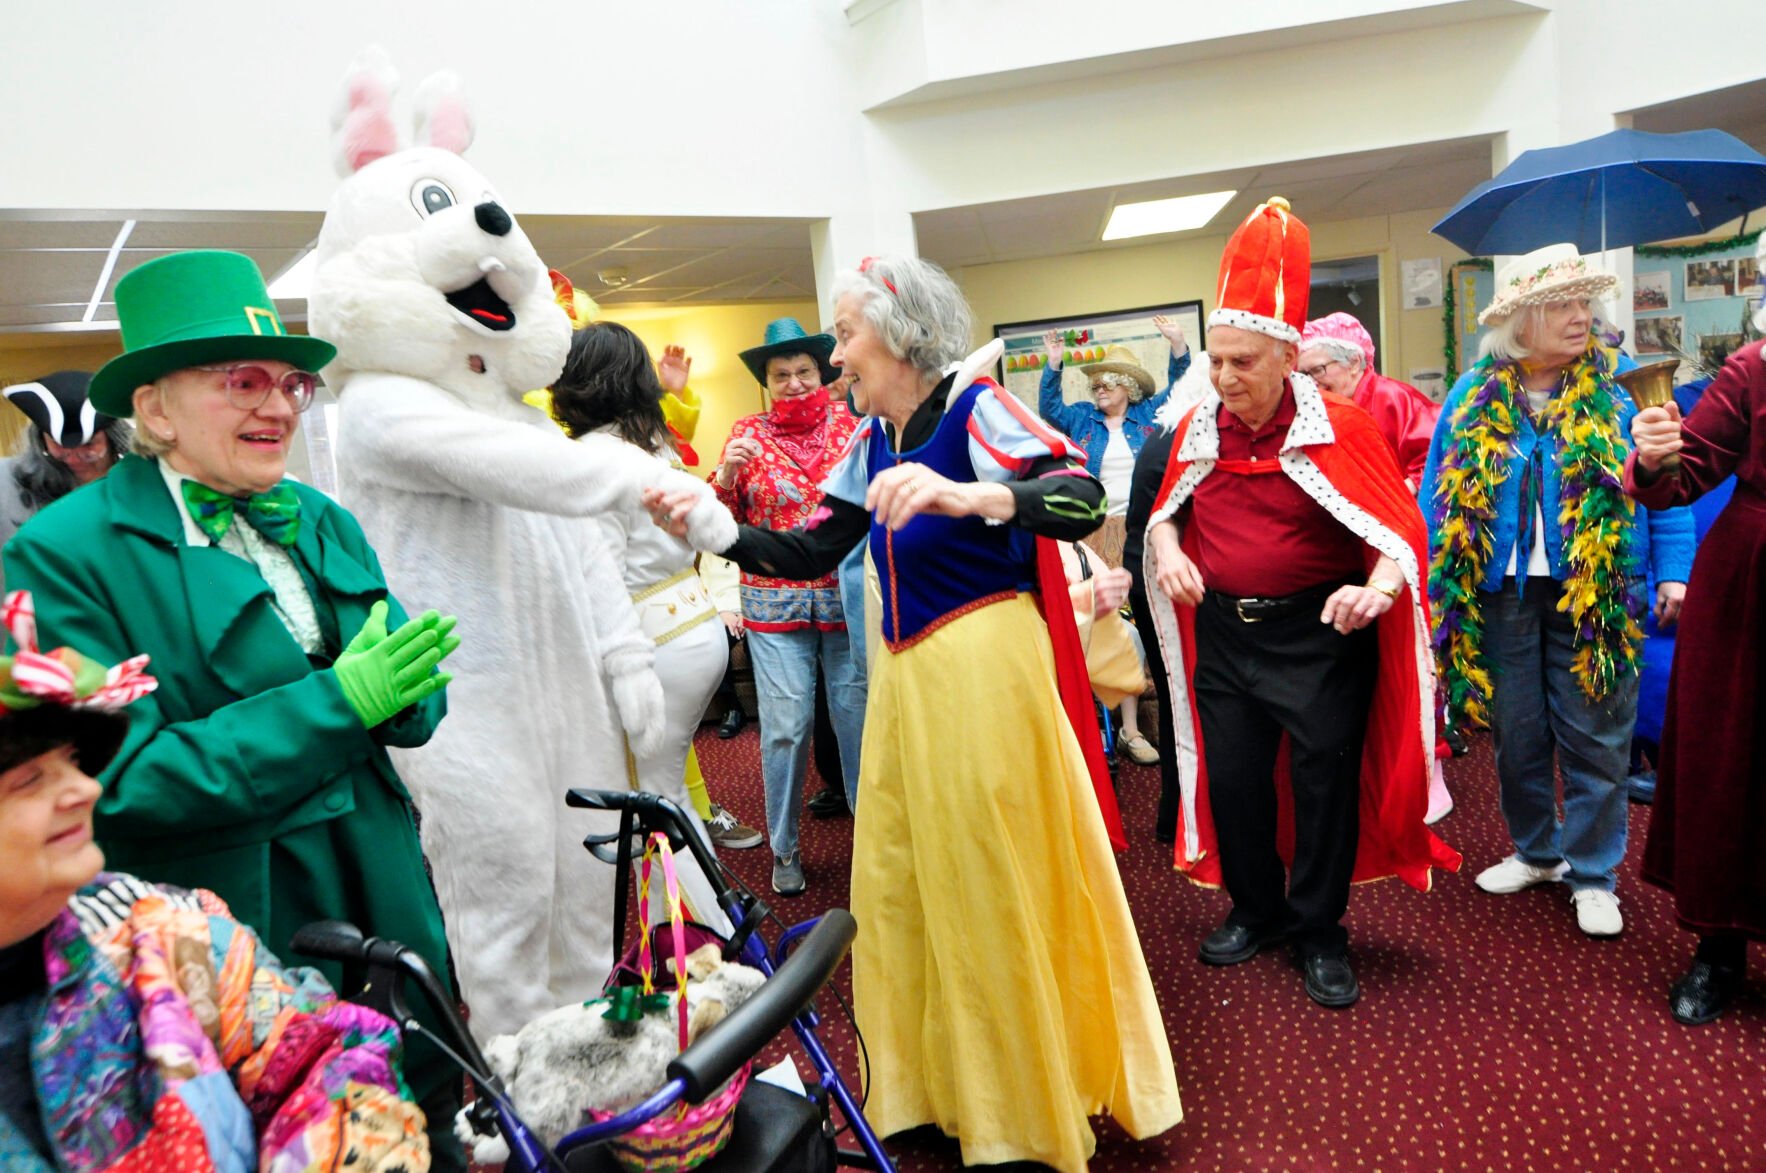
774, 491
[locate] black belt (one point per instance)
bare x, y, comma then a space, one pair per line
1257, 610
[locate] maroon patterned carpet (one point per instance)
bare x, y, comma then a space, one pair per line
1491, 1034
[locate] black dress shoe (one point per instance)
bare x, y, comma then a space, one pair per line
1329, 980
1704, 993
828, 803
732, 723
1232, 943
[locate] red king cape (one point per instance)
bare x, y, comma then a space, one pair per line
1367, 493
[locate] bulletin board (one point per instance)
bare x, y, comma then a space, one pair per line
1086, 337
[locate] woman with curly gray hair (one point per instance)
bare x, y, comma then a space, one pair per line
998, 978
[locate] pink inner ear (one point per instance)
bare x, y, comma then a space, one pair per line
368, 132
450, 126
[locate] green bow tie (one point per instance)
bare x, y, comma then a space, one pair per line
275, 514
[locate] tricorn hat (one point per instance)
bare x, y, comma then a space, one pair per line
191, 308
784, 336
57, 404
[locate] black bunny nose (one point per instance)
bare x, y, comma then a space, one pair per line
492, 218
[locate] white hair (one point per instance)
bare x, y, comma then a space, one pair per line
1128, 383
916, 309
1338, 349
1503, 340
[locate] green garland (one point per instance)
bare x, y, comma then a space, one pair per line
1701, 249
1450, 352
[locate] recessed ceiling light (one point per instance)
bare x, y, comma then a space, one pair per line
1152, 217
293, 282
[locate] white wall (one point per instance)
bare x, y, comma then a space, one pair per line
756, 107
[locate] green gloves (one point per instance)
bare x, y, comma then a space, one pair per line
382, 674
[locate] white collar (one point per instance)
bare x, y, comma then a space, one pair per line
193, 535
972, 368
1312, 425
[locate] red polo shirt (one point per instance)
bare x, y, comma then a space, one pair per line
1258, 535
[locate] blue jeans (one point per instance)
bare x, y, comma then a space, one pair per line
852, 603
785, 682
1538, 708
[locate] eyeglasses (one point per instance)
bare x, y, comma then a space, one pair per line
249, 386
1314, 372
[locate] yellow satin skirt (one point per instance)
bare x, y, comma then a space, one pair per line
997, 975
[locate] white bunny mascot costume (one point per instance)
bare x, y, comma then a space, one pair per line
478, 506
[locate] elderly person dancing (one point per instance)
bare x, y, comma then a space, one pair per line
1536, 574
1707, 840
1337, 353
1285, 539
1112, 428
998, 980
772, 466
259, 769
137, 1021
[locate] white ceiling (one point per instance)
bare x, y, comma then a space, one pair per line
1341, 187
50, 268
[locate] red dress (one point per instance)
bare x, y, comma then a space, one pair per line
1405, 416
1707, 838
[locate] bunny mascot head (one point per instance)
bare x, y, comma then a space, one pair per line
443, 316
422, 269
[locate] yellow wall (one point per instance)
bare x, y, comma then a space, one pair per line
714, 337
31, 356
1184, 270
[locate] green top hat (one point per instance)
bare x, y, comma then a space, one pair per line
785, 337
191, 309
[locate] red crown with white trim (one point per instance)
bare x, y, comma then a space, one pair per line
1266, 274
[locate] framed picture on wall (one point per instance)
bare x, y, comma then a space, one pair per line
1084, 338
1747, 277
1662, 335
1650, 292
1708, 279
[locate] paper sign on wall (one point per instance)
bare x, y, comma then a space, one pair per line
1422, 283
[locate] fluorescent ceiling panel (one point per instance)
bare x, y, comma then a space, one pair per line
1153, 217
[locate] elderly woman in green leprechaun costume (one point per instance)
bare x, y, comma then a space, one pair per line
259, 768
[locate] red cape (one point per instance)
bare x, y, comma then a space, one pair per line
1074, 683
1358, 464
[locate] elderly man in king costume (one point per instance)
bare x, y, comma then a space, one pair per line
1292, 551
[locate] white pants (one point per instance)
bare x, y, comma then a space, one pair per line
690, 667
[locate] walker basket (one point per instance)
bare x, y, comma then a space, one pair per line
685, 1139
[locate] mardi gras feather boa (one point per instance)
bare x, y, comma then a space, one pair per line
1594, 519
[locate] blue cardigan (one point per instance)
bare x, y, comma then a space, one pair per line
1661, 547
1084, 423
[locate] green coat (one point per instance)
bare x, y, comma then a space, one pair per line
246, 772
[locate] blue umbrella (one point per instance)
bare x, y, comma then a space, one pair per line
1620, 189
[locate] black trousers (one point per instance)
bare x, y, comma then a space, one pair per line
1170, 792
1255, 681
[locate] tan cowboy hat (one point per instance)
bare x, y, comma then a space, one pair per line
1119, 360
1556, 272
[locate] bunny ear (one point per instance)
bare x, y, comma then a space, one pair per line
442, 117
362, 128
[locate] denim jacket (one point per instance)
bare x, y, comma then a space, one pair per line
1661, 547
1084, 423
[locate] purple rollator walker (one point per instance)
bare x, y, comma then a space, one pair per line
775, 1130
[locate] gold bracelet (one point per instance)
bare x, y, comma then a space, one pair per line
1390, 589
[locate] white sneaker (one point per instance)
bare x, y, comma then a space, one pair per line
1597, 912
1515, 874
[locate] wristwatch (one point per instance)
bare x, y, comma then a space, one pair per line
1389, 589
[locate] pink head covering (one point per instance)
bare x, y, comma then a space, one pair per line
1340, 328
